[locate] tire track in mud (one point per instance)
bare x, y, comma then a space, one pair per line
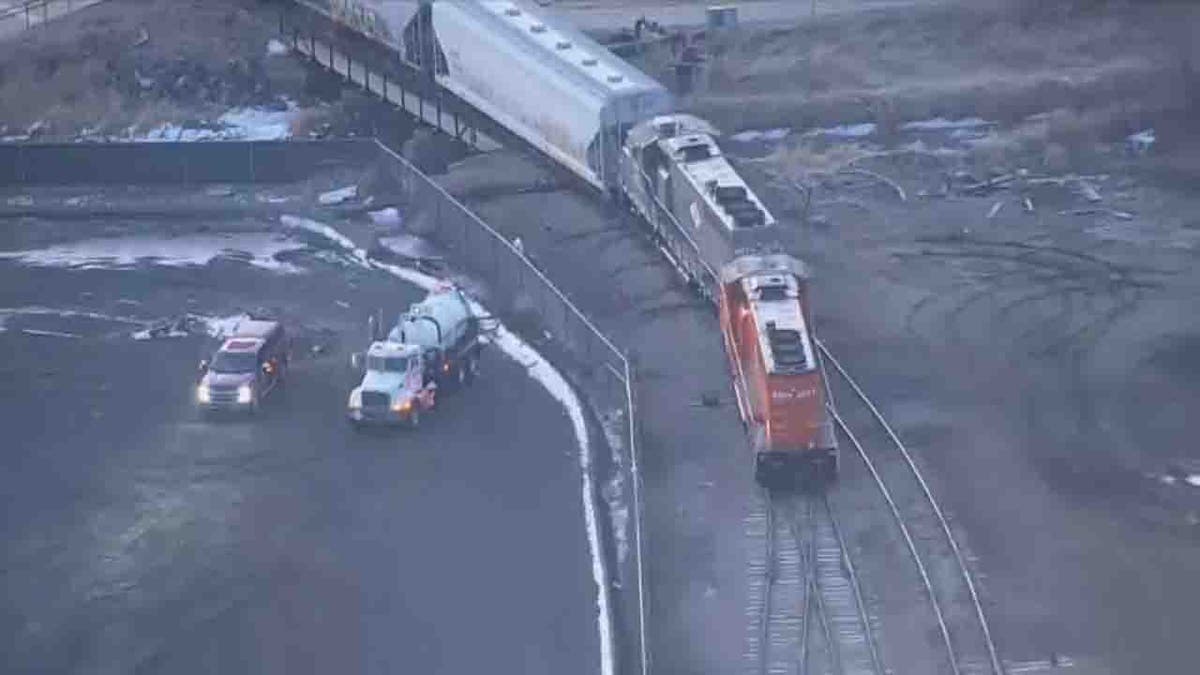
1090, 294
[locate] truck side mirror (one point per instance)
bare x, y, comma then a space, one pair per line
357, 360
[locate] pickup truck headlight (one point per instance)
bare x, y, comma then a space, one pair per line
245, 394
202, 393
355, 401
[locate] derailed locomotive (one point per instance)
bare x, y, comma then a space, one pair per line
723, 239
609, 124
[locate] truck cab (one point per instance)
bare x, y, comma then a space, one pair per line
396, 386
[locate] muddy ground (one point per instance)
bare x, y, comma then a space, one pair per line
1033, 338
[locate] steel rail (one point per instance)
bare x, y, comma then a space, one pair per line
926, 582
852, 576
980, 614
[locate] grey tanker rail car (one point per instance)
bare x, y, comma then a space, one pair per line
539, 78
545, 81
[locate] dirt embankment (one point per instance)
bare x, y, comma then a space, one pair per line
124, 67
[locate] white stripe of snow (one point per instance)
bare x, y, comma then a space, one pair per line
48, 333
554, 384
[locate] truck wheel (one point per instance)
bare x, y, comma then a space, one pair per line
461, 372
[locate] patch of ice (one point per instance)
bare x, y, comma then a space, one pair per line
408, 246
845, 131
386, 217
338, 196
943, 124
552, 381
255, 248
276, 48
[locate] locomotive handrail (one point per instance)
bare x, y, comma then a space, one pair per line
675, 221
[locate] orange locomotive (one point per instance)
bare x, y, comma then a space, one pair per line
777, 373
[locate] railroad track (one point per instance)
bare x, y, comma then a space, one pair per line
806, 607
957, 610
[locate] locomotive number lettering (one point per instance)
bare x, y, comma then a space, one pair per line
792, 394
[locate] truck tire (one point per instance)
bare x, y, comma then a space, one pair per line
461, 371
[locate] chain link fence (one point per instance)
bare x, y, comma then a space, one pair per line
529, 302
25, 14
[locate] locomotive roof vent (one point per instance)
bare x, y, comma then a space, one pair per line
589, 61
538, 28
512, 11
667, 129
614, 78
562, 44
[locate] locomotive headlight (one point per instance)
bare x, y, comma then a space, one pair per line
202, 394
245, 394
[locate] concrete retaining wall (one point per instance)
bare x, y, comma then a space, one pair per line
176, 162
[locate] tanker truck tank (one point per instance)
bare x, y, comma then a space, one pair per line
439, 321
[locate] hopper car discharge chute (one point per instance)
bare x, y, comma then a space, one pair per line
777, 374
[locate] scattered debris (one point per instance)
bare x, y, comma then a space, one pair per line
1089, 193
1028, 203
220, 191
338, 196
710, 399
342, 303
998, 183
519, 245
143, 37
995, 209
1140, 142
879, 177
1121, 215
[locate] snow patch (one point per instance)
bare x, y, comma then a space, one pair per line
613, 425
276, 48
1193, 479
255, 248
845, 131
943, 124
771, 135
338, 196
386, 217
242, 124
551, 380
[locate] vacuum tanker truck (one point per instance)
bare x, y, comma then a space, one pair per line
434, 346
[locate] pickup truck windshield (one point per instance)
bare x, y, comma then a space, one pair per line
394, 364
233, 362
